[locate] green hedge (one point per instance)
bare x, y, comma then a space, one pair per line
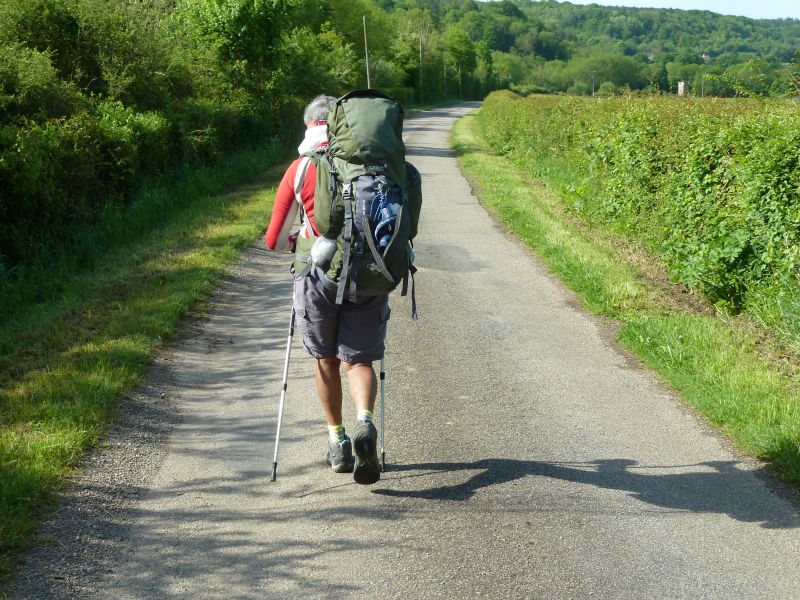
63, 172
98, 97
713, 186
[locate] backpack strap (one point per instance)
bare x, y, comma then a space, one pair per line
357, 254
347, 236
305, 224
300, 178
333, 185
412, 269
307, 269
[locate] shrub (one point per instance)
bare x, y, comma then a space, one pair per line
712, 186
30, 86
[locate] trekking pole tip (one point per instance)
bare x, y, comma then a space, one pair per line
274, 471
383, 461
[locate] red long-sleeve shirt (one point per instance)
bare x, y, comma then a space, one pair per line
279, 234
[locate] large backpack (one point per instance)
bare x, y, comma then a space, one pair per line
367, 198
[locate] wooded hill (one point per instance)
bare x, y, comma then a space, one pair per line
659, 46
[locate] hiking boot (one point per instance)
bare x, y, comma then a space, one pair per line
365, 442
340, 455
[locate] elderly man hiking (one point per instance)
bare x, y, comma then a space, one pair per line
359, 205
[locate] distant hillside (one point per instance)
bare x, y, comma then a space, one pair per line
671, 33
558, 46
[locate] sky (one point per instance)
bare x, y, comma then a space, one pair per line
756, 9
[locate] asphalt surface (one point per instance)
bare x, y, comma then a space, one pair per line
528, 456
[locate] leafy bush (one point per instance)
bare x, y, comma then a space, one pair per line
712, 186
61, 29
97, 97
57, 174
30, 86
607, 88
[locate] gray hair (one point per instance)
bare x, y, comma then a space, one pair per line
318, 108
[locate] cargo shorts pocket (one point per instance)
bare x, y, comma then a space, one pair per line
301, 317
317, 340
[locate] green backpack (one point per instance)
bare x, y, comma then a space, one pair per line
367, 200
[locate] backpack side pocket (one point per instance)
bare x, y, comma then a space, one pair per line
414, 194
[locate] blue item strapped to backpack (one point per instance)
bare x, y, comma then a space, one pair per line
383, 215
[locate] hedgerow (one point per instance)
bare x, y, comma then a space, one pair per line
712, 186
99, 97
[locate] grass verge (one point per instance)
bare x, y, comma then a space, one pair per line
721, 365
75, 335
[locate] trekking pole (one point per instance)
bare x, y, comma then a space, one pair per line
283, 395
383, 379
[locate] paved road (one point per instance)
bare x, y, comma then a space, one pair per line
529, 457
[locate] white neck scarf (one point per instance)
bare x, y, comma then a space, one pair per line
316, 137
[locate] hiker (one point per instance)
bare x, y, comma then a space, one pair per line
341, 337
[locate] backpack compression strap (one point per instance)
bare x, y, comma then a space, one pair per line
360, 235
371, 245
410, 273
347, 192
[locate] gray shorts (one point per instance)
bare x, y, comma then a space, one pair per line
353, 331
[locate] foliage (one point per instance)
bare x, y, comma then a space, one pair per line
30, 86
712, 186
564, 45
98, 96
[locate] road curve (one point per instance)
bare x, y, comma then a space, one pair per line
528, 456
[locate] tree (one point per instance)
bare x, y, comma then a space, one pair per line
485, 70
461, 52
508, 68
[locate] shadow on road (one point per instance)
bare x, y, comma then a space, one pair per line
420, 151
713, 487
226, 550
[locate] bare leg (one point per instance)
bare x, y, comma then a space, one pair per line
329, 388
363, 384
363, 389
